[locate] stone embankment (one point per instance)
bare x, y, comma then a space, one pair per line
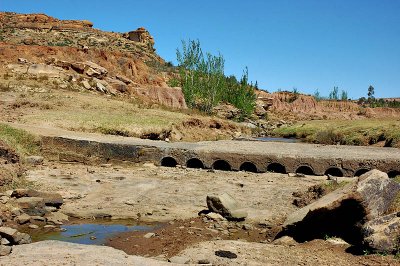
308, 159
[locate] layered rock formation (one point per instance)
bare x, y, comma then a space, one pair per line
70, 54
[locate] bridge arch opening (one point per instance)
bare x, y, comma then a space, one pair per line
306, 170
222, 165
195, 163
248, 167
168, 162
276, 168
393, 173
361, 171
334, 171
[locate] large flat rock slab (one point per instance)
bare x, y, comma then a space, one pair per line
63, 253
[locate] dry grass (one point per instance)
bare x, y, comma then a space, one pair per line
89, 112
92, 113
18, 182
345, 132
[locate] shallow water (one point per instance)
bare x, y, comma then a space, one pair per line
270, 139
89, 233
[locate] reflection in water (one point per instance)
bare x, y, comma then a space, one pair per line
269, 139
90, 234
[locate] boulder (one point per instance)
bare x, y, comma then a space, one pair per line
14, 236
101, 88
124, 79
149, 235
57, 218
226, 111
382, 234
117, 85
49, 199
86, 85
94, 70
5, 250
227, 206
22, 238
4, 199
4, 241
343, 212
31, 205
23, 218
215, 216
8, 232
22, 60
36, 160
285, 241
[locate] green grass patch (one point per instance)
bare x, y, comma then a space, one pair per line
345, 132
23, 142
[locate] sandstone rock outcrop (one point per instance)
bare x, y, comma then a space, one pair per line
71, 54
295, 106
141, 35
172, 97
347, 212
383, 233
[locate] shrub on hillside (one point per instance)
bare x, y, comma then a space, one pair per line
205, 85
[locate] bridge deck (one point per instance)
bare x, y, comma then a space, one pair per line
319, 158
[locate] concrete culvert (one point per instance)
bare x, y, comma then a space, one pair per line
393, 174
276, 168
360, 172
306, 170
222, 165
168, 162
334, 171
195, 163
248, 167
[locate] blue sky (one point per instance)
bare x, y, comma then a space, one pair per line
306, 44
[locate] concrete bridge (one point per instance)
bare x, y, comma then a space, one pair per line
252, 156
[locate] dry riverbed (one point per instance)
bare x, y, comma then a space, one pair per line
151, 193
175, 196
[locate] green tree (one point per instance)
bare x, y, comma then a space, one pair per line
371, 93
317, 95
334, 94
204, 84
344, 96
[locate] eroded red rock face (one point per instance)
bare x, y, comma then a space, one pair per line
72, 51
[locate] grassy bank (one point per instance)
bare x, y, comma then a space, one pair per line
20, 140
89, 112
345, 132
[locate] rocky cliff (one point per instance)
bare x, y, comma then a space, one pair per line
43, 51
291, 106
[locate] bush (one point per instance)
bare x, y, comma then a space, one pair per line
328, 137
205, 85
